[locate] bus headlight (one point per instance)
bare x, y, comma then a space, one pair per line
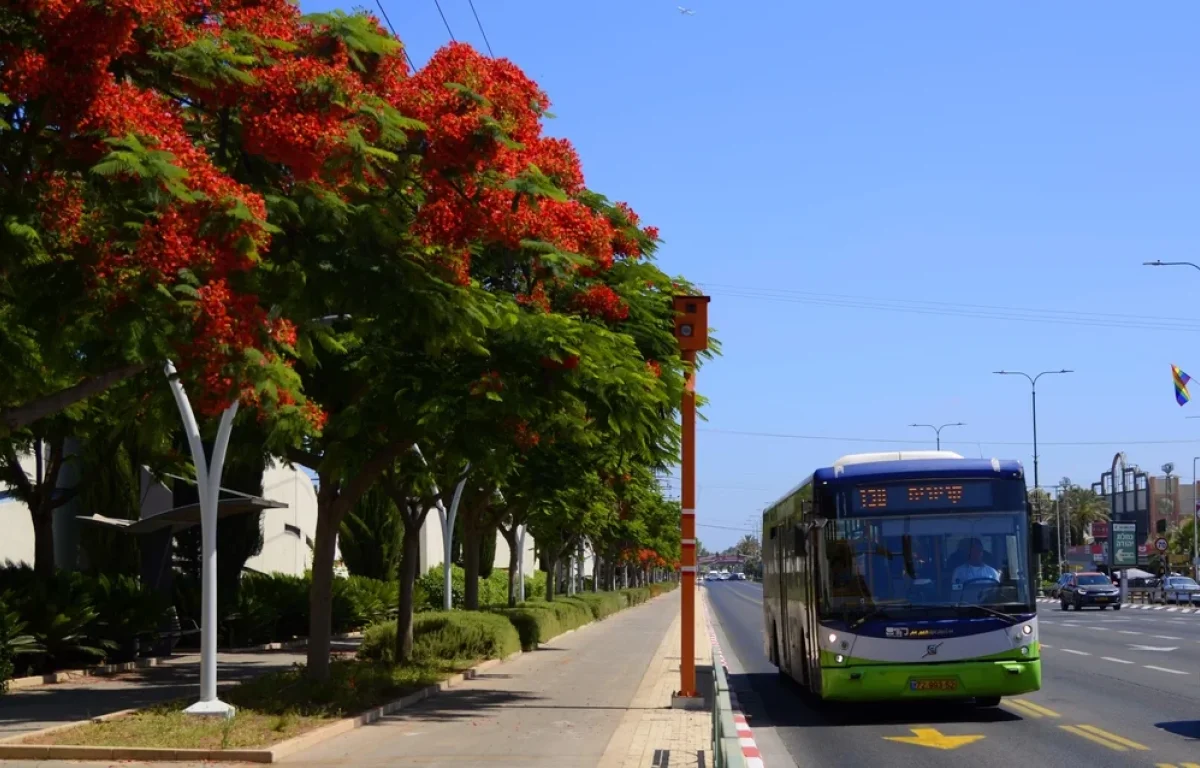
1027, 629
832, 638
839, 658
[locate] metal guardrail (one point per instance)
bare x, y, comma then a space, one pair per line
1157, 595
727, 749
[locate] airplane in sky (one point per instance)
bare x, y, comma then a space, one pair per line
686, 11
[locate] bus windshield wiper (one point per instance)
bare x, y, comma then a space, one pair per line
998, 614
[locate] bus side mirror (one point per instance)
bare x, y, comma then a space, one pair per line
1041, 538
800, 542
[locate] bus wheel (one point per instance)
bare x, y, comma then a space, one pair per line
987, 701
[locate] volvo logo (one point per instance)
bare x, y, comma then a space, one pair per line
931, 650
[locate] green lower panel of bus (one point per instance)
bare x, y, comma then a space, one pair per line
953, 680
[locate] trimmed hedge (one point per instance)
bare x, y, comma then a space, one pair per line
636, 595
498, 632
602, 604
441, 635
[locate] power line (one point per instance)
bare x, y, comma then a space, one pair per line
832, 438
403, 47
976, 311
480, 23
443, 15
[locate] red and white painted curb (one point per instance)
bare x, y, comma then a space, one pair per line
745, 735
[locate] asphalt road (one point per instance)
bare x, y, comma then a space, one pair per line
1119, 689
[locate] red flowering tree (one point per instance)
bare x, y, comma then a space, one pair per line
132, 232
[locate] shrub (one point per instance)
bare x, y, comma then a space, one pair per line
432, 586
601, 604
636, 595
535, 623
571, 614
368, 601
442, 635
127, 613
535, 586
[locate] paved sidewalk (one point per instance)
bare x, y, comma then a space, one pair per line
651, 734
556, 707
32, 709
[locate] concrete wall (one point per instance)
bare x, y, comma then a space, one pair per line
17, 542
288, 532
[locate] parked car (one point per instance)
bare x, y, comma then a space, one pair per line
1089, 589
712, 576
1180, 589
739, 576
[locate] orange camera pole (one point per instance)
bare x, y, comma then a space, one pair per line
687, 524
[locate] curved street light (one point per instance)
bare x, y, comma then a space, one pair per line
938, 430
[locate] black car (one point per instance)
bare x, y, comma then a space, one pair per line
1084, 589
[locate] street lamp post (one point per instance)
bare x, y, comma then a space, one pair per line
1033, 380
938, 430
1195, 509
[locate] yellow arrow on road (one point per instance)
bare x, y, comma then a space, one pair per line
931, 737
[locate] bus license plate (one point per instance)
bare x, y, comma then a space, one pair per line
937, 684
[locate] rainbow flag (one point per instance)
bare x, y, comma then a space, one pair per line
1181, 382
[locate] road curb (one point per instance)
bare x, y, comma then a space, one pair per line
11, 749
750, 751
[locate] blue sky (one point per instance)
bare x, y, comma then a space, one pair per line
1018, 155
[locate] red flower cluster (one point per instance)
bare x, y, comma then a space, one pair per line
655, 368
488, 382
525, 437
603, 302
568, 363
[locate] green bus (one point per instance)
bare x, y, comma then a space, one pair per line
905, 575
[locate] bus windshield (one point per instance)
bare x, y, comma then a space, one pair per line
926, 564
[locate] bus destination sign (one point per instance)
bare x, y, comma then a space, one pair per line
920, 496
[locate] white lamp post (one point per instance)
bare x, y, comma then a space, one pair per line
208, 485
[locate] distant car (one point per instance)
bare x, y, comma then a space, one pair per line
711, 576
1180, 589
739, 576
1089, 589
1056, 590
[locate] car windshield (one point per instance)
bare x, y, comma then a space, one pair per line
926, 563
1094, 580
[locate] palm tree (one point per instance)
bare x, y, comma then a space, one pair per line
1081, 507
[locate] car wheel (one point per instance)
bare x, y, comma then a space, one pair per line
1065, 607
1078, 604
1104, 607
1117, 607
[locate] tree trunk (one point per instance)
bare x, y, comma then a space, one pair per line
514, 559
43, 540
470, 553
320, 596
551, 577
409, 566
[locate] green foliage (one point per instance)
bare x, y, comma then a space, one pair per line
534, 623
601, 604
636, 595
14, 642
273, 607
493, 591
60, 614
441, 635
370, 536
126, 613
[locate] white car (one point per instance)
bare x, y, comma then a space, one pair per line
1180, 589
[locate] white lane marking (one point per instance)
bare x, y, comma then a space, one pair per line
1099, 629
1127, 632
1167, 669
1051, 646
1165, 637
1172, 610
1115, 661
1077, 653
